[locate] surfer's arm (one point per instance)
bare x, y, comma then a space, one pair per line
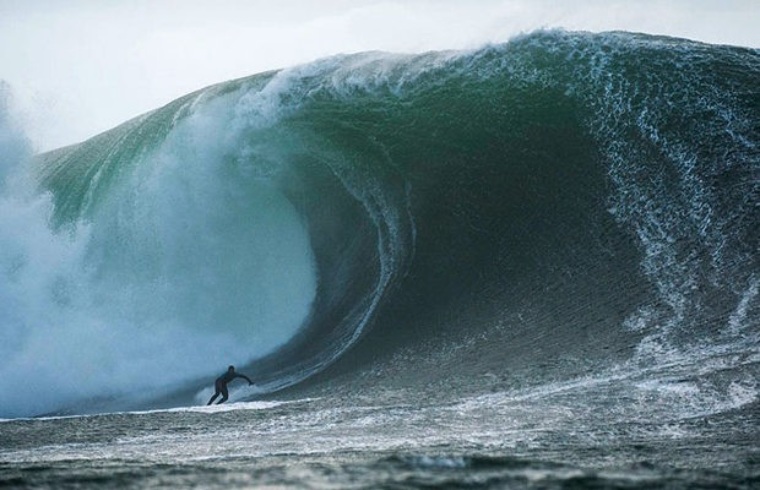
245, 378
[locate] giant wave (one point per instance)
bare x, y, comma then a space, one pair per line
560, 200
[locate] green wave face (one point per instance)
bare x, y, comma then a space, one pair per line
383, 201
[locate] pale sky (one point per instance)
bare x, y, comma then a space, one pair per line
78, 67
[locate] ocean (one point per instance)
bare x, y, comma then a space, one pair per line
532, 264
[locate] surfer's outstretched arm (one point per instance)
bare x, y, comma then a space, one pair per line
245, 378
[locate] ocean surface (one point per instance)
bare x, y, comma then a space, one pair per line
529, 265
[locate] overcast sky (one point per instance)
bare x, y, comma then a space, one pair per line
78, 67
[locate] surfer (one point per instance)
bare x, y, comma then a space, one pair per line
220, 385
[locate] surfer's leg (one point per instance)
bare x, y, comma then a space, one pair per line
219, 388
225, 395
213, 398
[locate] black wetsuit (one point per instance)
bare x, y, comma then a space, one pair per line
220, 385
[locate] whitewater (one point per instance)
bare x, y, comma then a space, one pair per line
528, 265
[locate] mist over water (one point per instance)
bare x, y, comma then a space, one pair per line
190, 263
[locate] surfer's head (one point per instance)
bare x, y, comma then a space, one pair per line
231, 368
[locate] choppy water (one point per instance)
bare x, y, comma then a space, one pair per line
561, 436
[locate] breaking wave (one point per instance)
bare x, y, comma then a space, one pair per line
564, 195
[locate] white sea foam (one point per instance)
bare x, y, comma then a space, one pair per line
188, 265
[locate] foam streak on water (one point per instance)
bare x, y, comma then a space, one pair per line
610, 430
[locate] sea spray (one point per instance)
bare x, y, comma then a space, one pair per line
182, 269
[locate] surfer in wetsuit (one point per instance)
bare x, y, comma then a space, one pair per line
220, 385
